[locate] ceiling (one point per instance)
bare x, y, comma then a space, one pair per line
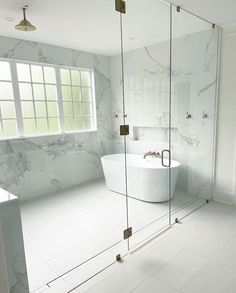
93, 25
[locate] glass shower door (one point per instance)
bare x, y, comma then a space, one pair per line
146, 86
194, 82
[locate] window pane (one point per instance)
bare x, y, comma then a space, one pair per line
88, 122
68, 124
8, 110
79, 123
66, 93
27, 109
25, 91
40, 108
75, 77
68, 109
51, 92
52, 109
86, 94
38, 92
23, 72
6, 91
85, 78
5, 72
77, 109
87, 109
65, 76
42, 125
37, 73
76, 93
49, 75
53, 125
29, 126
9, 127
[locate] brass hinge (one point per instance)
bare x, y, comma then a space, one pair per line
178, 8
128, 233
124, 129
120, 6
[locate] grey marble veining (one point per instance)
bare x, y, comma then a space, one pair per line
146, 90
35, 166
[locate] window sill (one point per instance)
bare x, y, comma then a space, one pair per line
46, 135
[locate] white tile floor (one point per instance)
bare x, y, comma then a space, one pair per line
64, 229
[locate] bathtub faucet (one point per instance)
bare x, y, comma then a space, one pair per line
156, 154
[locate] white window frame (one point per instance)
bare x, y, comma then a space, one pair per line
17, 99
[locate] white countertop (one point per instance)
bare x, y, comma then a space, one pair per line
6, 196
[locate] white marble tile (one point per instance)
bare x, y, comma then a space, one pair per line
153, 285
180, 269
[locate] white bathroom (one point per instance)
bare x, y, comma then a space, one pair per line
116, 146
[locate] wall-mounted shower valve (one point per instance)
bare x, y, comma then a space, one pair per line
204, 115
188, 115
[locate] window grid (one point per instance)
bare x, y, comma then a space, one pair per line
8, 118
51, 116
82, 117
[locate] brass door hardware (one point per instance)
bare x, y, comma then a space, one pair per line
120, 6
127, 233
124, 129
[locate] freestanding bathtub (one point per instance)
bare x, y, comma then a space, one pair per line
147, 179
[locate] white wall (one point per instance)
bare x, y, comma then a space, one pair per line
226, 130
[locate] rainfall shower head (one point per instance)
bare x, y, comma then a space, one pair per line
25, 25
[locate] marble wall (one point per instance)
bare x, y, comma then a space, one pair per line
146, 90
34, 166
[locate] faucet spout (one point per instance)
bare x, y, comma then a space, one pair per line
156, 154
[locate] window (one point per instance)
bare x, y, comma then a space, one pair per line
8, 120
77, 99
38, 99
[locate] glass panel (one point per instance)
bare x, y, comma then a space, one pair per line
29, 126
52, 109
25, 91
88, 123
85, 78
49, 74
23, 72
27, 109
39, 92
5, 72
42, 125
37, 73
75, 77
40, 108
9, 128
8, 110
87, 109
147, 98
68, 123
51, 92
79, 124
76, 93
194, 78
77, 109
86, 94
68, 109
65, 76
66, 93
6, 91
53, 125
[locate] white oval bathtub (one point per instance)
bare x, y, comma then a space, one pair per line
147, 179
